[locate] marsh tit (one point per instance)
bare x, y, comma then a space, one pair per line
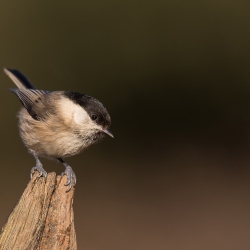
58, 124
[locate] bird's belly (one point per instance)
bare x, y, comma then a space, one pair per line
49, 143
59, 147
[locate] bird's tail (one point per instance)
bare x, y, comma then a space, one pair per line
19, 79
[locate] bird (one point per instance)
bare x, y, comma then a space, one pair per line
57, 124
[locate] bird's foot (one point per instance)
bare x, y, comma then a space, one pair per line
39, 168
71, 177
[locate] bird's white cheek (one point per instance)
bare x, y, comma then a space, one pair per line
80, 117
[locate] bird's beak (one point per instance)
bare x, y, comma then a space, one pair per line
108, 132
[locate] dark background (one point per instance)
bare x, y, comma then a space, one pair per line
175, 78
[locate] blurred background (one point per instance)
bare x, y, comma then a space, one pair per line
175, 78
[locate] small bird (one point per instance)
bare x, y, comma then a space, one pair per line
58, 124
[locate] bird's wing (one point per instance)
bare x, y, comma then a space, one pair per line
34, 101
19, 79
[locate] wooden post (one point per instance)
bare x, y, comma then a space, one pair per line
43, 218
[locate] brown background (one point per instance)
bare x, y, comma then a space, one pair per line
175, 78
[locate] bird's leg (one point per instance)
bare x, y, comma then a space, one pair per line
70, 174
38, 167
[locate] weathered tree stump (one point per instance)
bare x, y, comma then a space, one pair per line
43, 217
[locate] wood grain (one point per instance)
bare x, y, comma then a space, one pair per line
43, 217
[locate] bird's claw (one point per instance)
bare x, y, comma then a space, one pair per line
41, 171
71, 177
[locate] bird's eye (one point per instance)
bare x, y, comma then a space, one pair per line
94, 117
